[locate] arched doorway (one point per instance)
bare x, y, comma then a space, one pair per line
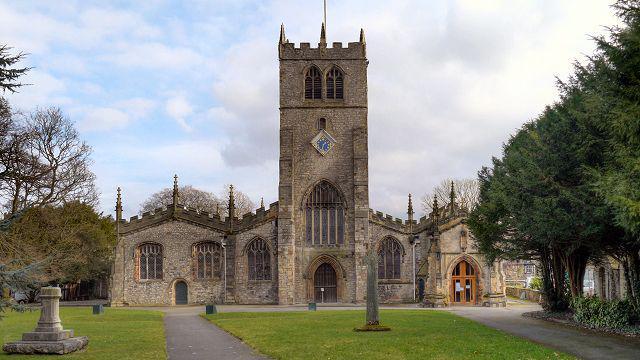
181, 293
325, 284
463, 284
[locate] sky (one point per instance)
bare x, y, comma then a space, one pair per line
191, 87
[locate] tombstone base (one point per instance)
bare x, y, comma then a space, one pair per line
47, 347
47, 335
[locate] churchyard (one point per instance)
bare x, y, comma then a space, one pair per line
116, 334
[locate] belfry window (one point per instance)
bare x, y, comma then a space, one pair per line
335, 84
149, 261
389, 259
207, 260
259, 260
324, 214
322, 124
313, 84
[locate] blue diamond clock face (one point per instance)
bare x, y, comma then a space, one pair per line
323, 142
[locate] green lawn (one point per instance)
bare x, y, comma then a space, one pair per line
116, 334
415, 334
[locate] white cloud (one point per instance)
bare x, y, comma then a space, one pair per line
179, 109
103, 119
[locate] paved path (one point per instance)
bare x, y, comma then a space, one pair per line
582, 343
189, 336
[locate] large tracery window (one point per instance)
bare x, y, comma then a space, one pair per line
335, 84
324, 213
259, 260
150, 261
207, 260
313, 84
389, 259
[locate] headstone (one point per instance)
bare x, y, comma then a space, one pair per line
312, 306
98, 309
48, 337
211, 309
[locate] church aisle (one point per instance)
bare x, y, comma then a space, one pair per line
189, 336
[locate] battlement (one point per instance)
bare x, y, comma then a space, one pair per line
261, 215
354, 50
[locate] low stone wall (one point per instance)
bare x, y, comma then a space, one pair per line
524, 294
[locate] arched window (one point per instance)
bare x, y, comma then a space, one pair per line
149, 261
324, 213
389, 259
335, 84
313, 84
259, 260
322, 124
207, 260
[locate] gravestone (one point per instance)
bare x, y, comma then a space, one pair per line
48, 337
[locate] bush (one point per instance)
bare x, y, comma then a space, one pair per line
598, 313
536, 283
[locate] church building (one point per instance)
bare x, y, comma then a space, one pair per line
310, 245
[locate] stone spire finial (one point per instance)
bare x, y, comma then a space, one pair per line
410, 209
323, 36
452, 197
362, 40
435, 206
232, 203
118, 205
283, 39
262, 203
176, 195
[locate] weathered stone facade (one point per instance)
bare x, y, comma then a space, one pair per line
296, 268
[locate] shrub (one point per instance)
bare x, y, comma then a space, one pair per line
536, 283
598, 313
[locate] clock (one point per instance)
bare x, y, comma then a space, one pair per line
323, 142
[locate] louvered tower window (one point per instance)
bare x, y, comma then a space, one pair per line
313, 84
389, 259
207, 260
149, 261
335, 84
259, 260
324, 214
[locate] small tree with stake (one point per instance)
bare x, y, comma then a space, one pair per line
373, 313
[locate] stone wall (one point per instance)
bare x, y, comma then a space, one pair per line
177, 239
394, 290
256, 291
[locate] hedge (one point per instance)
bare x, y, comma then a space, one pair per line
598, 313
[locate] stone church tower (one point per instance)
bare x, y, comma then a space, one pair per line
323, 151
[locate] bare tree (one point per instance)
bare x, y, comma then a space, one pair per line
189, 197
46, 164
243, 203
200, 200
467, 192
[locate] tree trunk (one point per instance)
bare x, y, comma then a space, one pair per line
576, 264
373, 316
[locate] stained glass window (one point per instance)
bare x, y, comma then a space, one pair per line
389, 259
207, 260
150, 261
325, 210
259, 260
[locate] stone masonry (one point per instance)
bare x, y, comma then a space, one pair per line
432, 245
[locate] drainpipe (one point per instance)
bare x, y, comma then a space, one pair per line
224, 256
415, 241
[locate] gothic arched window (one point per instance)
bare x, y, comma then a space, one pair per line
389, 258
149, 261
207, 260
313, 84
259, 260
324, 214
335, 84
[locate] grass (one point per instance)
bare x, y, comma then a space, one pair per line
116, 334
414, 334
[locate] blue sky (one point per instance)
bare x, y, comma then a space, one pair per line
190, 87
